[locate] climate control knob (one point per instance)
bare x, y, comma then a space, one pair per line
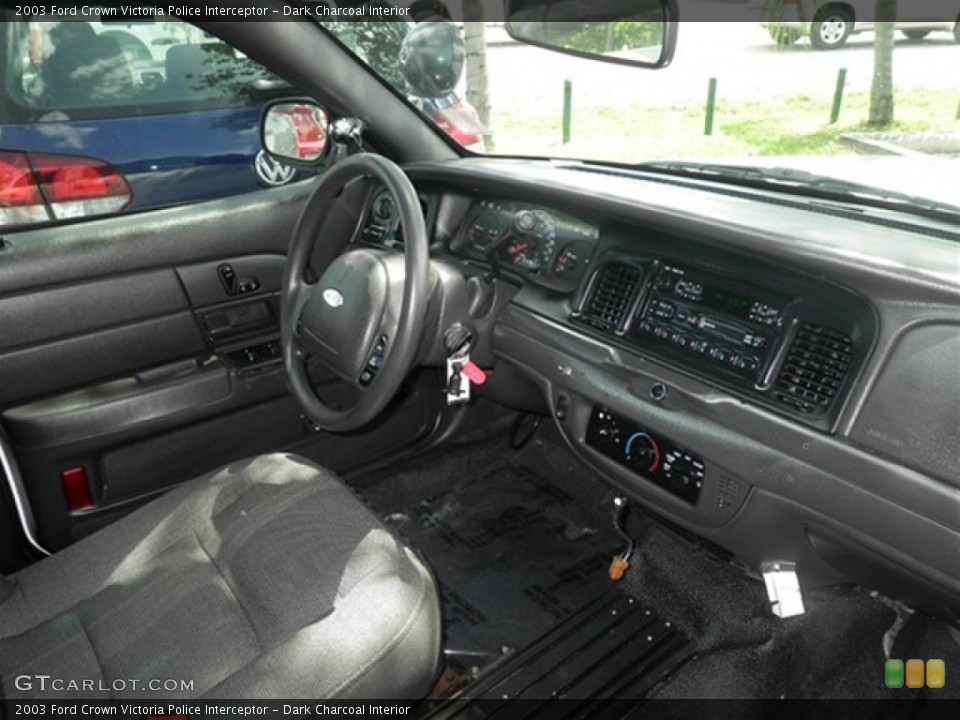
642, 452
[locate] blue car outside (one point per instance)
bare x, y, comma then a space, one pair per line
101, 117
166, 159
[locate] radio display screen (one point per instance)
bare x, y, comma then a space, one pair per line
727, 302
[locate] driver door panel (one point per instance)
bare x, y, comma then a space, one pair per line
125, 353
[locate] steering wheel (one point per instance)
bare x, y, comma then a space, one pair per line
363, 320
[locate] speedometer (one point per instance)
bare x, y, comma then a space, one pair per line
532, 242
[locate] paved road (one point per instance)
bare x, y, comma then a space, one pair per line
740, 55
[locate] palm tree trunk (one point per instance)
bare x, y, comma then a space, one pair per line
476, 47
881, 90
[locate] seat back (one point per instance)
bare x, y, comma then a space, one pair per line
85, 69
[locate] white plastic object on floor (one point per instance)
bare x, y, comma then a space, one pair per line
783, 588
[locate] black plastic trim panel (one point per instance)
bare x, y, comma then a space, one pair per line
72, 310
103, 410
98, 355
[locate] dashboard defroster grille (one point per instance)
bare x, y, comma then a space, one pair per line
610, 294
815, 368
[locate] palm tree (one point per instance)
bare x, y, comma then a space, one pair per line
476, 47
881, 90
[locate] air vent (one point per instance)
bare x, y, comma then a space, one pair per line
609, 295
815, 368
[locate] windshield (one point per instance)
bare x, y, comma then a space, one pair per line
759, 94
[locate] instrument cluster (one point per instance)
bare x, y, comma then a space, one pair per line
544, 246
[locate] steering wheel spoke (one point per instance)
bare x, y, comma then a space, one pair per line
377, 356
303, 294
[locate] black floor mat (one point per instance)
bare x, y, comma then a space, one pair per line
518, 540
613, 649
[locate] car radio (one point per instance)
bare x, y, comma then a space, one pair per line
712, 320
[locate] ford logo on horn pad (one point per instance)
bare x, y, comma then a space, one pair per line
332, 297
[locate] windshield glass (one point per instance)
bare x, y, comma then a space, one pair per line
751, 93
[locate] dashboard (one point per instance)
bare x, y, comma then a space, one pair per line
782, 341
774, 375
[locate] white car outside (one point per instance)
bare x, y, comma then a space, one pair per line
829, 23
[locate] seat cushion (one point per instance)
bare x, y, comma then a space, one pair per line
267, 578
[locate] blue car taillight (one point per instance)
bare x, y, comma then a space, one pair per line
39, 187
20, 198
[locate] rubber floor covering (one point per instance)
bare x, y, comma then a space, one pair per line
518, 540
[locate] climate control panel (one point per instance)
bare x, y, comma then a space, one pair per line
656, 458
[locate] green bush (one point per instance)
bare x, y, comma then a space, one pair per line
611, 37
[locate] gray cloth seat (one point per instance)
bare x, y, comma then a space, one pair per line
265, 579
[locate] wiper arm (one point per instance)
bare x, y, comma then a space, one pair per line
811, 183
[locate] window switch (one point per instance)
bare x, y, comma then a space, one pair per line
234, 285
247, 285
228, 278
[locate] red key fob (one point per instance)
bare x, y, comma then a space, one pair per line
474, 372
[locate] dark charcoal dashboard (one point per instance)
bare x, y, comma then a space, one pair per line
775, 374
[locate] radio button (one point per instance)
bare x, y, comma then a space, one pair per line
666, 282
689, 290
664, 310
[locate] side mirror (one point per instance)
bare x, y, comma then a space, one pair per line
432, 57
295, 132
642, 33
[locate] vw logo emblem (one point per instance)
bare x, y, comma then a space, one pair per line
332, 297
271, 172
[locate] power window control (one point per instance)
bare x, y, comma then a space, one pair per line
247, 285
255, 356
234, 285
228, 278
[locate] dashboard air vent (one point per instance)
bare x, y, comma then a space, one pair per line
815, 368
609, 294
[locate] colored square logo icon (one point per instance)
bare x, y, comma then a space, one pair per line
936, 673
915, 673
893, 673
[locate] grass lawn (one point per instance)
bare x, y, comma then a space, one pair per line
796, 125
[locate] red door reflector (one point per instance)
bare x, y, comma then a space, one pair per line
76, 489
